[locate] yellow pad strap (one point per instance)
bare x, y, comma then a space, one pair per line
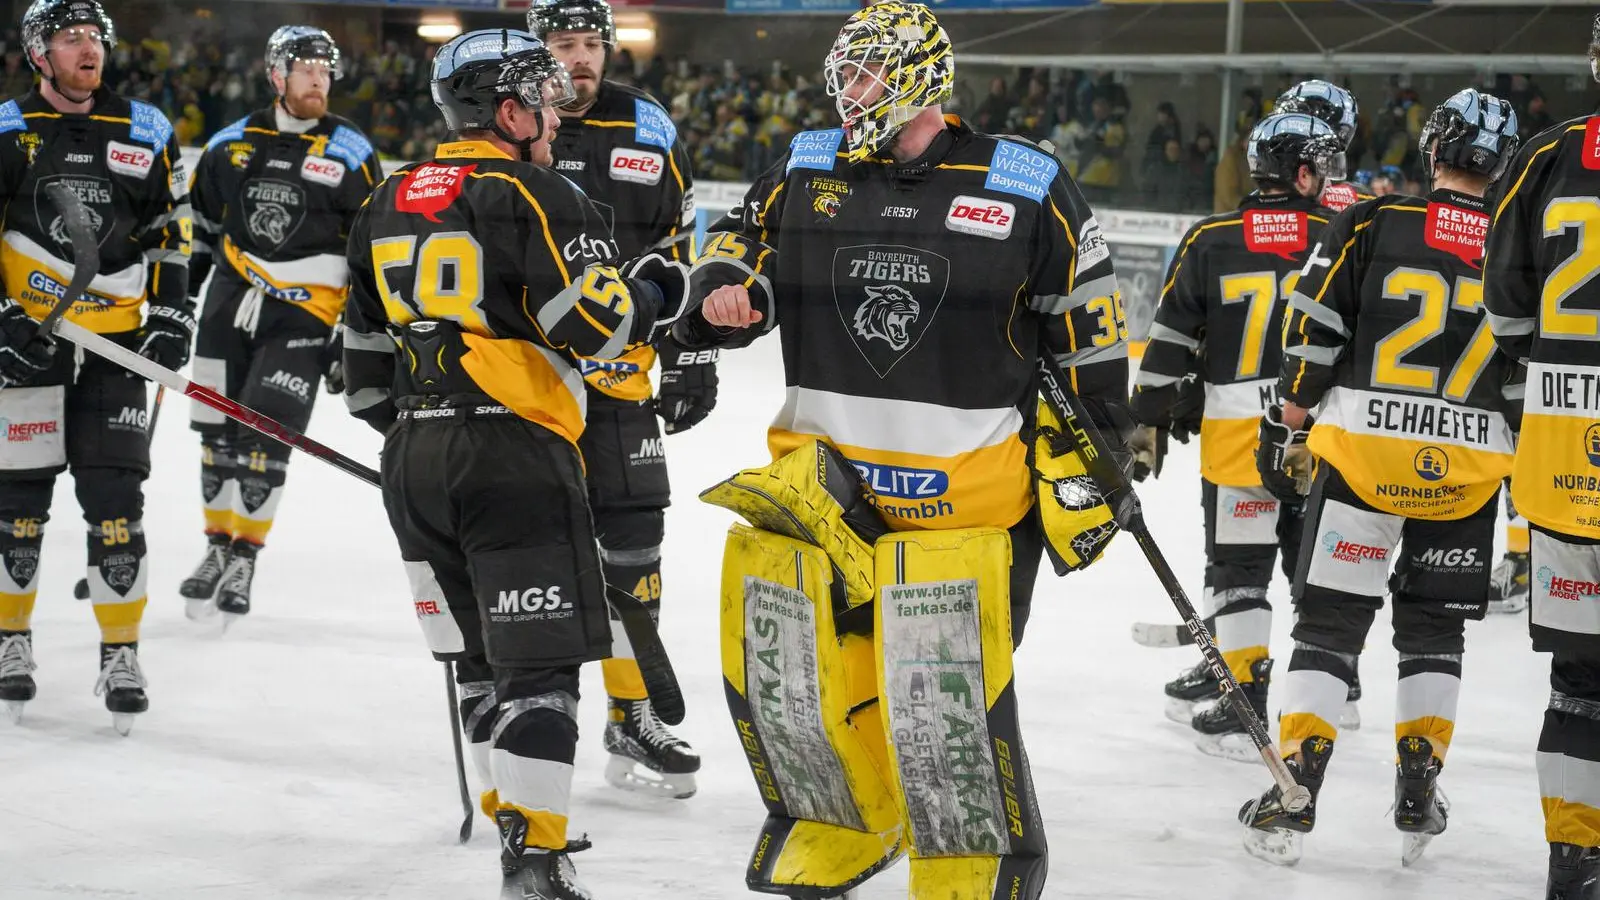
801, 496
944, 650
791, 693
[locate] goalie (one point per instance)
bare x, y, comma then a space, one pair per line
871, 607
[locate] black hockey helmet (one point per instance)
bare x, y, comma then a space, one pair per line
477, 70
1594, 48
1283, 142
545, 17
46, 17
1325, 100
305, 42
1472, 131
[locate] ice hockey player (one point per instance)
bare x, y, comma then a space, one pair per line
1386, 333
873, 609
1542, 306
1337, 107
1221, 310
274, 195
120, 158
488, 276
622, 149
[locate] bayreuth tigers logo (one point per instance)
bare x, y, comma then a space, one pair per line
270, 221
826, 204
887, 315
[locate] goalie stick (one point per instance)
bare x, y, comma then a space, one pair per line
1092, 448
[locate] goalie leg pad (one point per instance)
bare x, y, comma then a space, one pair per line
814, 495
799, 704
944, 647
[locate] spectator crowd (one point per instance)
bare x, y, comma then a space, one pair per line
735, 123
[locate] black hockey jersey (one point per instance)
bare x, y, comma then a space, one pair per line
910, 303
510, 252
625, 154
1386, 335
276, 206
122, 161
1544, 302
1223, 300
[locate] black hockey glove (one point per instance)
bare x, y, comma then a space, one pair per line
333, 361
671, 278
24, 351
1149, 446
1189, 409
688, 385
168, 331
1282, 458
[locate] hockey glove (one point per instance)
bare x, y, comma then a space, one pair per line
24, 351
1282, 457
671, 278
688, 385
333, 361
1149, 446
1078, 524
1189, 409
165, 338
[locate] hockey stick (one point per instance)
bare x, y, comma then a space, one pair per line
461, 764
1092, 448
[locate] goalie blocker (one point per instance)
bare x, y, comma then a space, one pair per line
880, 728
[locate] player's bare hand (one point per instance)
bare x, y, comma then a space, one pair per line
729, 307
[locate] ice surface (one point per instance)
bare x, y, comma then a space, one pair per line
306, 755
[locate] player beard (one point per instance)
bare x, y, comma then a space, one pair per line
78, 81
585, 87
306, 106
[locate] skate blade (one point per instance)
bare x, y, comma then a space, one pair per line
199, 610
122, 722
14, 710
1279, 846
229, 620
1233, 745
1412, 847
1158, 635
1181, 711
628, 775
1350, 717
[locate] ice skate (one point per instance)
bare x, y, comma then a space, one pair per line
199, 590
233, 592
1221, 733
1274, 834
1574, 873
122, 681
1190, 687
646, 758
1420, 808
16, 672
535, 873
1508, 584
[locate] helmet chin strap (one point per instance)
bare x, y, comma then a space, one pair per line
524, 145
56, 84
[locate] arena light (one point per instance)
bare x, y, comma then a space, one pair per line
438, 32
635, 35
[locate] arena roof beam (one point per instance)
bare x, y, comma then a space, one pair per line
1328, 63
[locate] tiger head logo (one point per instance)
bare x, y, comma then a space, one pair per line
58, 226
271, 222
888, 314
826, 204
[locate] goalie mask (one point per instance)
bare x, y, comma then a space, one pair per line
1325, 100
891, 61
1472, 131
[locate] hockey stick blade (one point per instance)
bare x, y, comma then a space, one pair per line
461, 763
1096, 453
85, 251
660, 682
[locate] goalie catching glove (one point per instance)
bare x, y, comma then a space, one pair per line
1282, 457
1077, 522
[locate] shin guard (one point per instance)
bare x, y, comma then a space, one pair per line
802, 700
944, 649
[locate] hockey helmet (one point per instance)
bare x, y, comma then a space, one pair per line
547, 17
904, 63
302, 42
475, 71
1325, 100
1594, 48
46, 17
1472, 131
1283, 142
